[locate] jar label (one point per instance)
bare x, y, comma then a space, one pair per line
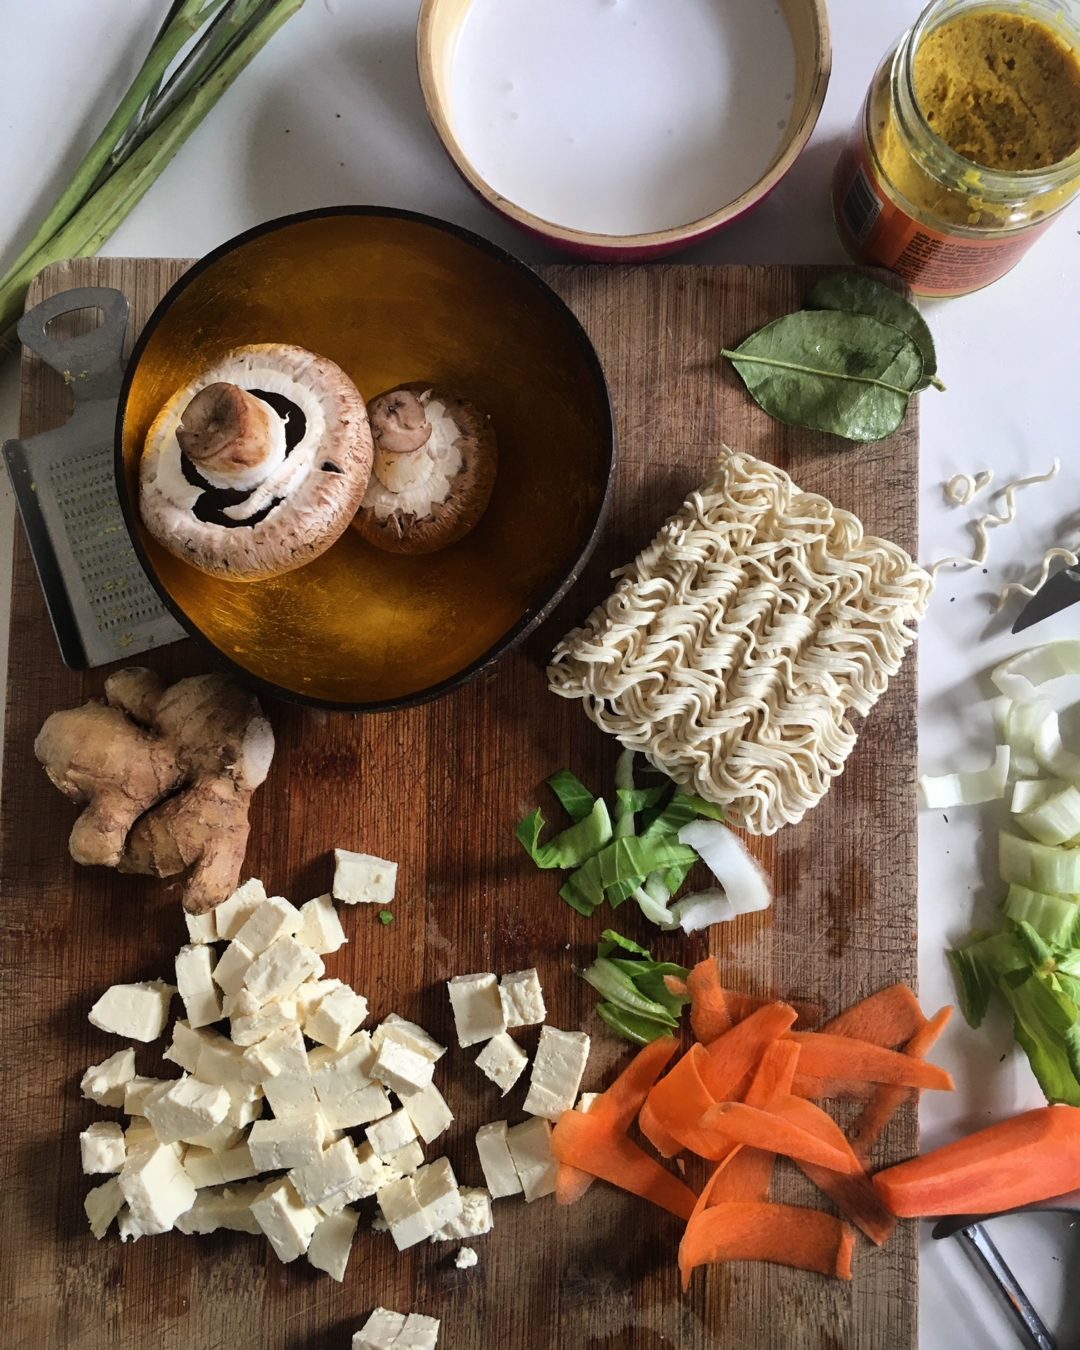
933, 262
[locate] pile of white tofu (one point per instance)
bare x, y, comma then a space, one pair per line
386, 1330
280, 1123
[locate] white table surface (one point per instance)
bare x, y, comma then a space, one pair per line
1010, 356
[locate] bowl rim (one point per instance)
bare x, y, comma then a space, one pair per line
530, 619
599, 243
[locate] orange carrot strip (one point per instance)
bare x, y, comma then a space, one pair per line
675, 986
732, 1057
673, 1110
875, 1117
832, 1089
888, 1018
618, 1105
1028, 1158
776, 1131
594, 1147
710, 1015
855, 1198
827, 1056
748, 1176
806, 1239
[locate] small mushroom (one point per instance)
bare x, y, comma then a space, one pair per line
257, 465
433, 471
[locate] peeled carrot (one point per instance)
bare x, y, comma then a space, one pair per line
776, 1131
856, 1199
1029, 1158
748, 1175
710, 1015
675, 986
593, 1146
827, 1056
874, 1119
787, 1235
833, 1089
673, 1109
888, 1018
618, 1105
731, 1058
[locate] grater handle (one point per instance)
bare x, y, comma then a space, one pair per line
91, 363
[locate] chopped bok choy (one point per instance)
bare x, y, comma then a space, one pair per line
638, 1004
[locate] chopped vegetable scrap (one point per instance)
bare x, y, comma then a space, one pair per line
612, 856
731, 1099
1033, 963
638, 1003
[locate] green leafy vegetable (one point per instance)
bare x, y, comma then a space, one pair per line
640, 1030
571, 848
637, 1003
385, 916
856, 293
1056, 918
848, 374
576, 799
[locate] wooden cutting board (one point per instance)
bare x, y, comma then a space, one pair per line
440, 789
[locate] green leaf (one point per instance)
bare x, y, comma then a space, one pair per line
1056, 918
848, 374
632, 1026
385, 916
859, 294
1045, 1023
610, 940
681, 810
571, 848
618, 988
983, 967
577, 801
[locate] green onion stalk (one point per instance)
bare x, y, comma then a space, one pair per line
200, 49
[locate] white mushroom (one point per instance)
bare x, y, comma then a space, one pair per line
433, 472
257, 465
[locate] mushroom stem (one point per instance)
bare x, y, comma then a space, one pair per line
232, 437
401, 432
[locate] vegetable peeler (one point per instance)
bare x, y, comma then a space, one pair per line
981, 1247
100, 602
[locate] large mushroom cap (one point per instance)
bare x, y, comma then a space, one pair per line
433, 470
257, 465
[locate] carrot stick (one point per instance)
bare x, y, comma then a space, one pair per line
833, 1089
827, 1056
875, 1117
732, 1057
787, 1235
593, 1146
774, 1130
710, 1015
1028, 1158
888, 1018
673, 1109
855, 1197
618, 1105
748, 1175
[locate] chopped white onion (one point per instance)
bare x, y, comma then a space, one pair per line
745, 885
968, 789
1021, 675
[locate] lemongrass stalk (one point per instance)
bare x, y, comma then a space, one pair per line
93, 223
189, 18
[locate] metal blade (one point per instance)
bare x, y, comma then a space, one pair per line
1058, 593
981, 1248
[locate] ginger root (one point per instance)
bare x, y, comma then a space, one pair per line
165, 774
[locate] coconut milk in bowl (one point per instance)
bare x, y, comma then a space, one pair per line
623, 128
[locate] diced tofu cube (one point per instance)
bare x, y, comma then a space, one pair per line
429, 1112
227, 1207
503, 1061
102, 1205
311, 993
218, 1139
278, 1145
437, 1190
185, 1045
139, 1090
412, 1036
338, 1073
222, 1062
321, 928
522, 999
466, 1258
285, 1219
140, 1133
102, 1147
201, 927
400, 1069
495, 1160
374, 1175
362, 1106
392, 1132
360, 878
245, 1103
185, 1109
380, 1331
281, 968
156, 1187
271, 1017
478, 1013
272, 919
403, 1211
136, 1011
130, 1228
233, 913
334, 1170
104, 1083
474, 1220
406, 1160
557, 1071
241, 1004
284, 1071
332, 1242
206, 1168
336, 1017
195, 983
418, 1333
530, 1148
231, 970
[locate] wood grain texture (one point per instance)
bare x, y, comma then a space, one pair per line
440, 789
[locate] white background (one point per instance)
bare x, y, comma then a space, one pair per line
1009, 355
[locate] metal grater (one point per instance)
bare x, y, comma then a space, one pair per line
100, 602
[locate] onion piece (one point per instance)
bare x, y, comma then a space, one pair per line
1021, 675
1056, 820
1051, 754
746, 887
970, 788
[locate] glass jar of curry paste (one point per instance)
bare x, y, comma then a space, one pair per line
968, 144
